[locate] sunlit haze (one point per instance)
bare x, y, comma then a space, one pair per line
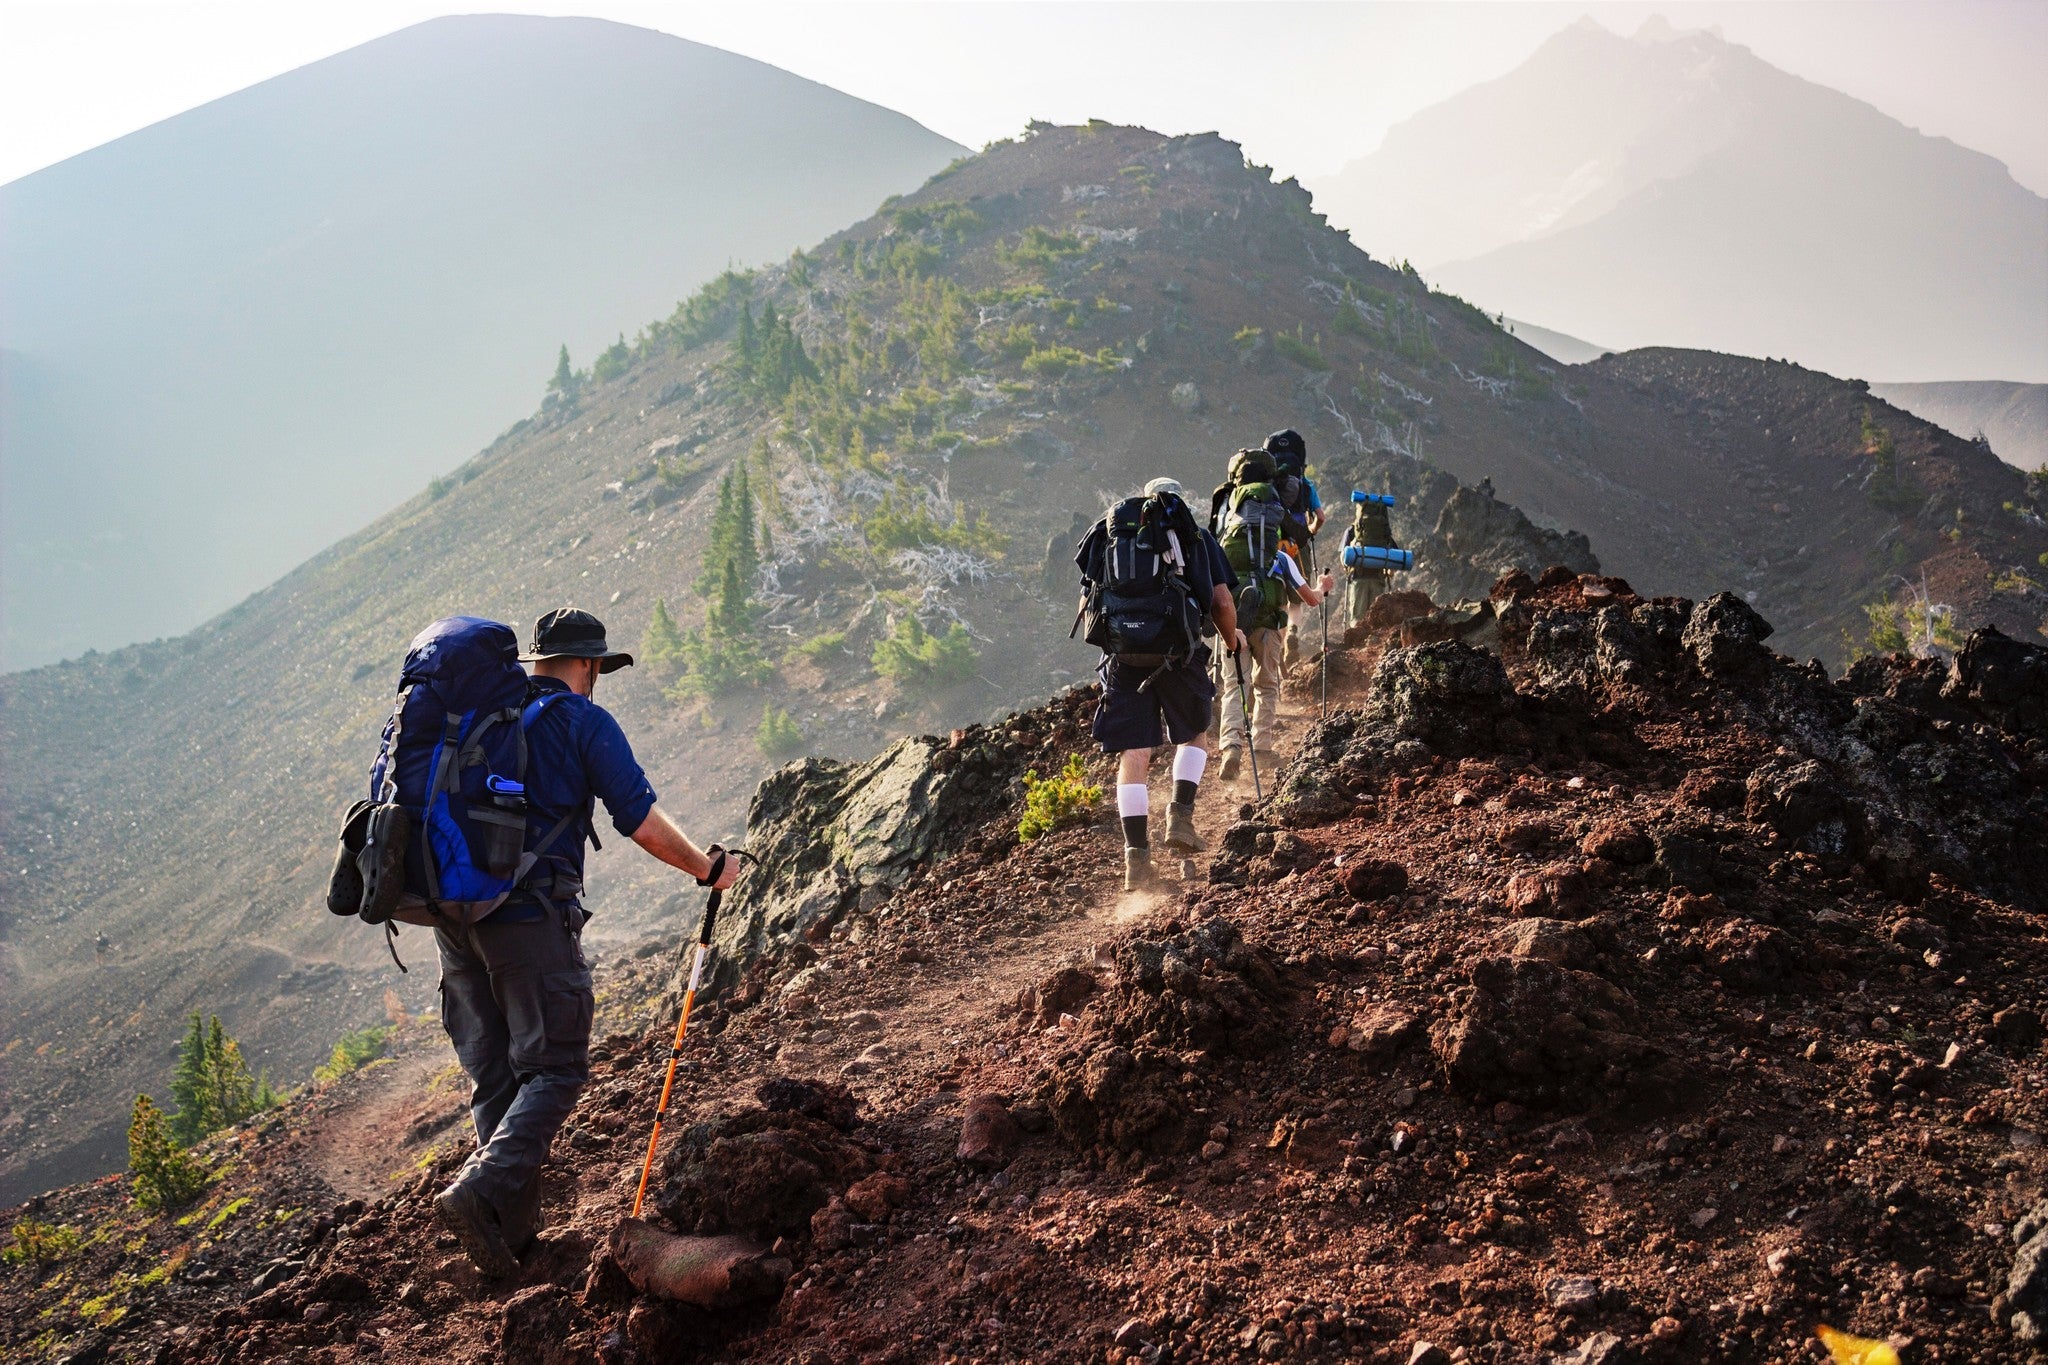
1305, 88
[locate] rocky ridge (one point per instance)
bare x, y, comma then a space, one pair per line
1633, 994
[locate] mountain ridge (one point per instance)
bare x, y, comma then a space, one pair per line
1679, 190
945, 387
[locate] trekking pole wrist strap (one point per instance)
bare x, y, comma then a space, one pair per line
717, 867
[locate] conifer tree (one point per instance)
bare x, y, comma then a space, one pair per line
165, 1176
662, 644
564, 381
211, 1083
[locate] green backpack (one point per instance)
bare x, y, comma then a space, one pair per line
1254, 523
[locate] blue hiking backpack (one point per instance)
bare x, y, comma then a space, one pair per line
442, 838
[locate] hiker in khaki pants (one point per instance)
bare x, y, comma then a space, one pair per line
1261, 661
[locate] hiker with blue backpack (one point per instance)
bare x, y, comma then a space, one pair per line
1263, 541
1153, 586
482, 797
1366, 572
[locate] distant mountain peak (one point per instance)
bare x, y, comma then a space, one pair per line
1673, 187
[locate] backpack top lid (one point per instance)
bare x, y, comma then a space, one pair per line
466, 662
1251, 466
1288, 449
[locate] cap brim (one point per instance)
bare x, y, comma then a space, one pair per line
607, 663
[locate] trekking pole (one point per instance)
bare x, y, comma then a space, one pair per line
1244, 700
1324, 607
675, 1051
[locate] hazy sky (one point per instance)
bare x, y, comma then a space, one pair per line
1305, 87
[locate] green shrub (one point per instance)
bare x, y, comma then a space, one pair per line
40, 1244
1053, 362
954, 220
612, 361
1888, 486
1299, 350
912, 657
661, 644
1041, 248
165, 1175
818, 647
438, 488
1014, 342
778, 736
1057, 800
356, 1048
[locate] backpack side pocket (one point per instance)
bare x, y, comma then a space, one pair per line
345, 882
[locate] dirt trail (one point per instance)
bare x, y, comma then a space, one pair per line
395, 1110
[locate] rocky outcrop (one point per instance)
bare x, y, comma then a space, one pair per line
831, 837
1464, 537
1119, 1091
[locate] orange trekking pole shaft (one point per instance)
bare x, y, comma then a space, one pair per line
675, 1051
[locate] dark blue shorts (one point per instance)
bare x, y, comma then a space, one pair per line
1181, 697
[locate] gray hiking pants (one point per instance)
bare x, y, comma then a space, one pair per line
516, 1001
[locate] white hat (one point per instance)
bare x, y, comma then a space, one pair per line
1158, 486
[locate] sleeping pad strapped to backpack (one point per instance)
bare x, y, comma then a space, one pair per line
442, 839
1140, 608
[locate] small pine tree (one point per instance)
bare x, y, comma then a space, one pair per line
194, 1116
778, 736
661, 647
165, 1175
564, 382
212, 1084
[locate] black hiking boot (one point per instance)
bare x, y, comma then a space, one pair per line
1180, 830
474, 1222
521, 1220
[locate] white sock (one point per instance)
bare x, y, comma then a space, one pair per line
1188, 763
1132, 798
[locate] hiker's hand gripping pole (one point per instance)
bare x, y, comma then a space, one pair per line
719, 856
1244, 699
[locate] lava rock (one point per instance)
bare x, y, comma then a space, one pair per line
1550, 1037
1618, 841
537, 1324
1042, 1005
1555, 941
1560, 891
1371, 879
988, 1134
1725, 637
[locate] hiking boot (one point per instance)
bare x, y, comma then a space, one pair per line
464, 1212
1180, 829
1138, 873
521, 1220
1227, 770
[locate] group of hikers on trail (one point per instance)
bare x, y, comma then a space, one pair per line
487, 778
1156, 587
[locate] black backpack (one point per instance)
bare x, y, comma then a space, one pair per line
1141, 608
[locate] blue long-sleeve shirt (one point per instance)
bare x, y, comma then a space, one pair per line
576, 755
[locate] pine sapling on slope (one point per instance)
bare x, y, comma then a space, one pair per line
165, 1175
661, 645
211, 1083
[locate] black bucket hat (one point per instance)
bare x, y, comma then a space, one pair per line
571, 634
